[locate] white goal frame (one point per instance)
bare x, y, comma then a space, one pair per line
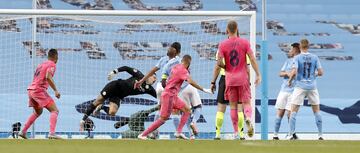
34, 13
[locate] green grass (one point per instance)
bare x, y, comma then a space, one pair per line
174, 146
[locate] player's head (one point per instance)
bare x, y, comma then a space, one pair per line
232, 27
295, 50
304, 44
177, 46
171, 52
186, 60
53, 55
151, 80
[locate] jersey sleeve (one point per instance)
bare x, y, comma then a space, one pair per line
160, 62
166, 71
248, 49
51, 70
295, 63
134, 72
221, 51
283, 68
151, 91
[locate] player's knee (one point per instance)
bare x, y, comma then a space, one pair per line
38, 112
112, 113
164, 118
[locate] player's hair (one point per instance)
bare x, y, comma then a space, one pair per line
232, 26
304, 44
186, 58
52, 53
177, 46
296, 45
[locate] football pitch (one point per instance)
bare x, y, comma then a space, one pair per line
175, 146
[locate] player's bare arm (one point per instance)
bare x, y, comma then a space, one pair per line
221, 63
51, 82
292, 76
214, 78
150, 73
256, 68
194, 84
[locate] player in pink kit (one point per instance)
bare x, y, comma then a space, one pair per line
234, 51
170, 100
38, 96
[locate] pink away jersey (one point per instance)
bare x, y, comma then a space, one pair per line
39, 82
234, 51
178, 74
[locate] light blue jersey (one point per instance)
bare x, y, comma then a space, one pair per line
287, 67
161, 63
167, 69
169, 65
306, 64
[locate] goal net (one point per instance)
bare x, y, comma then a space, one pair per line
92, 44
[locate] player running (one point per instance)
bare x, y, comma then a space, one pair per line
283, 101
119, 89
39, 98
234, 51
170, 99
189, 95
306, 68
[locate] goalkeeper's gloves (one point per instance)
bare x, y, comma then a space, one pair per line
112, 74
208, 91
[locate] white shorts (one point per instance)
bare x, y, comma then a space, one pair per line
190, 96
299, 95
159, 89
283, 100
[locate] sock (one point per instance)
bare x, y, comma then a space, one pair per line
53, 120
176, 121
219, 122
184, 118
241, 120
29, 122
89, 110
234, 119
277, 125
196, 114
292, 122
106, 109
247, 111
318, 122
153, 127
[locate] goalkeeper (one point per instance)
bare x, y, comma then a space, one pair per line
117, 90
136, 123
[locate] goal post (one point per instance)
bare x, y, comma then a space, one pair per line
91, 43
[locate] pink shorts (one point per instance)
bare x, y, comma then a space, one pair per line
170, 102
238, 93
39, 99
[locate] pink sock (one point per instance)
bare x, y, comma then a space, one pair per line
153, 127
247, 111
183, 120
234, 119
29, 122
53, 120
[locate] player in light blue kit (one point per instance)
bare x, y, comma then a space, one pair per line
306, 68
189, 95
283, 101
